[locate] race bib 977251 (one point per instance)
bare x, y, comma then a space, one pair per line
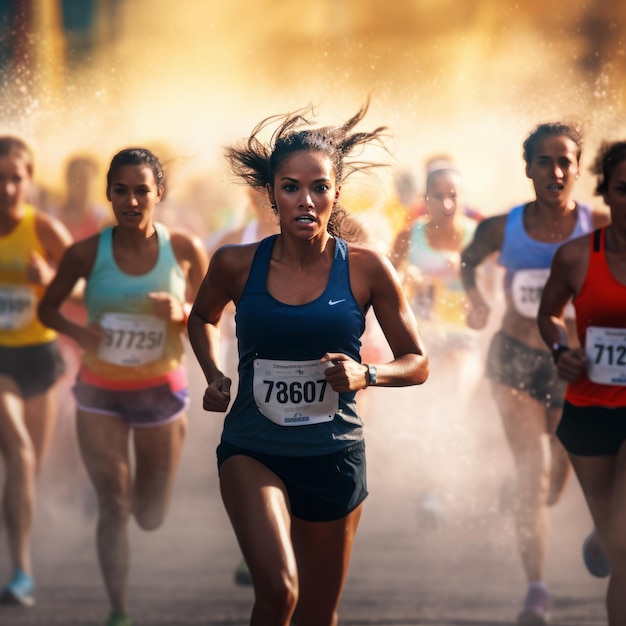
131, 339
294, 393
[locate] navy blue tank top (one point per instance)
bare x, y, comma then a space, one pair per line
269, 329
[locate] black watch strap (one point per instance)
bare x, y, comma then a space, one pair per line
557, 351
371, 374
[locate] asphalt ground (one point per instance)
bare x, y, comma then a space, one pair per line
436, 545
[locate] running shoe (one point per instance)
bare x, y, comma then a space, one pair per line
595, 560
119, 619
20, 590
242, 574
535, 609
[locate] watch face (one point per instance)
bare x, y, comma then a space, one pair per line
372, 374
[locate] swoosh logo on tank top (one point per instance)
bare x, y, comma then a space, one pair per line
332, 302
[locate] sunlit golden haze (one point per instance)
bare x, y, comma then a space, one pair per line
465, 77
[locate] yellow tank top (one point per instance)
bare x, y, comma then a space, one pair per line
19, 324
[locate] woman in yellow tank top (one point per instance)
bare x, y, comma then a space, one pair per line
31, 245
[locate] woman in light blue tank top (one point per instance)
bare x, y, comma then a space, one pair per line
292, 456
524, 383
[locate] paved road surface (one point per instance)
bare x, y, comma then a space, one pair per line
406, 570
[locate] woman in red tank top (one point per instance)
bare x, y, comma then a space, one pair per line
592, 271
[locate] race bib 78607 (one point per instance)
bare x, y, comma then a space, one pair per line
294, 393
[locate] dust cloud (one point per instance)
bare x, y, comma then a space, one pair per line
469, 79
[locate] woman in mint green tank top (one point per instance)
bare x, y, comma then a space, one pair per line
132, 379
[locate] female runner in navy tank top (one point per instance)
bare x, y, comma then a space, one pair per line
292, 458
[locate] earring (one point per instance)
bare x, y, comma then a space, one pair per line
274, 207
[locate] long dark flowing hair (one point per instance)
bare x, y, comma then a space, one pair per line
256, 162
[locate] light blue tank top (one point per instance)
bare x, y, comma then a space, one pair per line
519, 251
269, 329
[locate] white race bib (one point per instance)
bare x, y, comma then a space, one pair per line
131, 339
606, 355
294, 393
17, 307
526, 289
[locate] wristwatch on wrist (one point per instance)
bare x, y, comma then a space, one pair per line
370, 376
557, 351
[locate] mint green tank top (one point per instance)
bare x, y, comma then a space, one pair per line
136, 346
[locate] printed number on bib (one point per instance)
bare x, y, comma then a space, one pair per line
294, 393
526, 289
17, 307
606, 355
131, 339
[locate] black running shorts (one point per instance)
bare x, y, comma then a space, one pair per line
320, 488
34, 369
592, 430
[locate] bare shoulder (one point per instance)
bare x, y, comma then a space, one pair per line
50, 227
373, 278
492, 228
234, 257
80, 257
43, 219
367, 258
575, 246
185, 244
229, 268
570, 264
85, 248
574, 252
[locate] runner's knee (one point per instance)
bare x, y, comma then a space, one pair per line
276, 593
149, 516
20, 459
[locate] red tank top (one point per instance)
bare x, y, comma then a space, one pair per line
601, 303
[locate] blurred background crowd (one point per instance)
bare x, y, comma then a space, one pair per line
466, 79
